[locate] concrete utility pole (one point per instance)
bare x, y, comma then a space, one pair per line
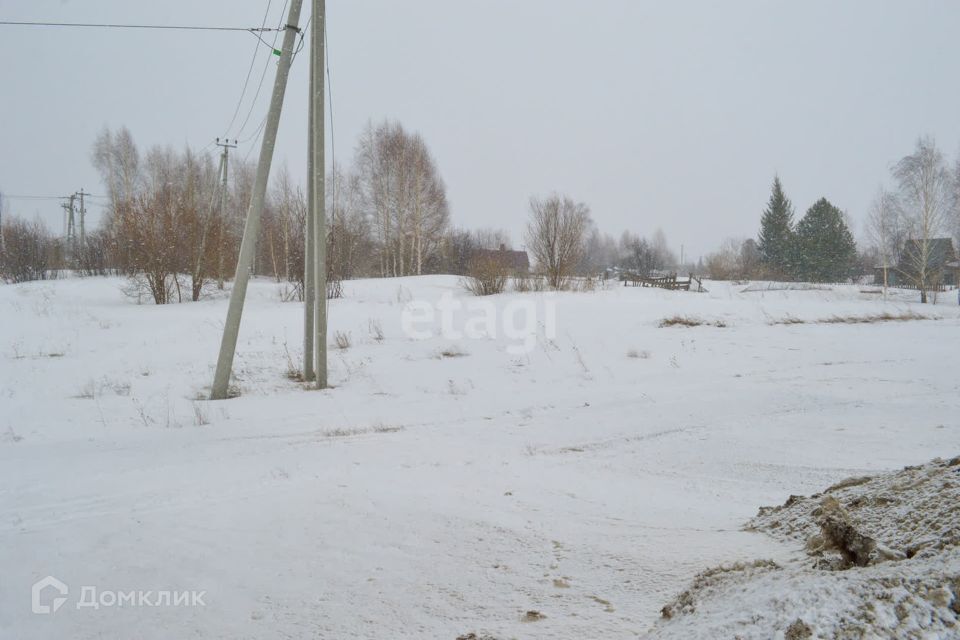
83, 230
224, 162
224, 174
309, 287
221, 379
318, 178
70, 226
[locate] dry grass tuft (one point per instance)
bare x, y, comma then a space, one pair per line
341, 340
690, 321
451, 352
886, 316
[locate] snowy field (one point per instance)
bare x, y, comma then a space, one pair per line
585, 469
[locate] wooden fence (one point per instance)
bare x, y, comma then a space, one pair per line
670, 282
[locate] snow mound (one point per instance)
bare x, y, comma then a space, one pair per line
913, 511
906, 524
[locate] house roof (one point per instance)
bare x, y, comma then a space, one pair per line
516, 260
940, 251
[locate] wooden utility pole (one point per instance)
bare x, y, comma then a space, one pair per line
318, 178
231, 329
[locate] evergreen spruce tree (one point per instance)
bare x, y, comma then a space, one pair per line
826, 251
775, 241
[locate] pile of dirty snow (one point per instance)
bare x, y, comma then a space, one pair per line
881, 559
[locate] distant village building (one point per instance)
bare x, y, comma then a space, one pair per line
943, 266
506, 259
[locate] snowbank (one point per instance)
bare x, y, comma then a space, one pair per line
908, 588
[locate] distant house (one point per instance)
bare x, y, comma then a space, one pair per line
953, 273
943, 267
509, 260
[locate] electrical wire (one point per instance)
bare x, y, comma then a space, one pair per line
12, 23
255, 134
255, 138
246, 82
32, 197
303, 33
333, 146
263, 75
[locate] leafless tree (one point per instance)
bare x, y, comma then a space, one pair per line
491, 239
727, 262
665, 258
600, 252
956, 203
93, 258
885, 231
351, 247
2, 212
487, 274
555, 236
151, 228
29, 251
925, 194
751, 261
116, 157
282, 229
163, 220
200, 213
404, 195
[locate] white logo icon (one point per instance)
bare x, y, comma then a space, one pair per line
58, 601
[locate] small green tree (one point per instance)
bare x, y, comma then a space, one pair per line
775, 242
826, 251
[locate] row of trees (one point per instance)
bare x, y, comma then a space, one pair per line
907, 228
167, 228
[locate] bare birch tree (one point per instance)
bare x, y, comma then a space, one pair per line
116, 157
925, 193
404, 196
884, 229
351, 247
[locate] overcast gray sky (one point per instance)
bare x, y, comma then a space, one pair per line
656, 114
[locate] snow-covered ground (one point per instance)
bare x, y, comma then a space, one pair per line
444, 485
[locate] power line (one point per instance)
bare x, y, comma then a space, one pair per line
254, 30
12, 197
255, 134
255, 137
36, 197
333, 146
263, 75
253, 61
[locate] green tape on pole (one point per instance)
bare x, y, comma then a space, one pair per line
277, 52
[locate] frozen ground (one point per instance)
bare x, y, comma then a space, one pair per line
444, 486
